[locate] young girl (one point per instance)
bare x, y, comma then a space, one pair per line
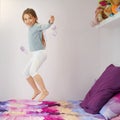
37, 48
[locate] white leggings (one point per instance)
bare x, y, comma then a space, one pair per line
32, 67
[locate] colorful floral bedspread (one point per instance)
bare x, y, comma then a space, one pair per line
45, 110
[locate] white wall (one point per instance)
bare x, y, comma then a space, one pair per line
109, 44
73, 55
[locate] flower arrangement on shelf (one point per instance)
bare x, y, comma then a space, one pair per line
105, 9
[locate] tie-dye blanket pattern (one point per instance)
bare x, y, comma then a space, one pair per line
26, 109
45, 110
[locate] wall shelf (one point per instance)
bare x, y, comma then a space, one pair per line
110, 20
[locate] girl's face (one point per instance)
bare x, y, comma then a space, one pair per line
29, 20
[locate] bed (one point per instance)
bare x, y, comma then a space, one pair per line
102, 102
46, 110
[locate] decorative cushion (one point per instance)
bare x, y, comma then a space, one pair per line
111, 108
104, 88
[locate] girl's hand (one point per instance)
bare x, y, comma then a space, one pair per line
52, 18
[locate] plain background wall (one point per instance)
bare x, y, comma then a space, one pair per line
109, 44
73, 59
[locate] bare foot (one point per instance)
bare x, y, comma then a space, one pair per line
36, 93
43, 95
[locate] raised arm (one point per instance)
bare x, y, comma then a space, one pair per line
46, 26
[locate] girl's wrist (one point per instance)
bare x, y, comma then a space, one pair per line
51, 22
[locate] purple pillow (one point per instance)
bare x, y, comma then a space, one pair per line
111, 108
105, 87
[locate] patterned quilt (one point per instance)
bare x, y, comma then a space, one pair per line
45, 110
